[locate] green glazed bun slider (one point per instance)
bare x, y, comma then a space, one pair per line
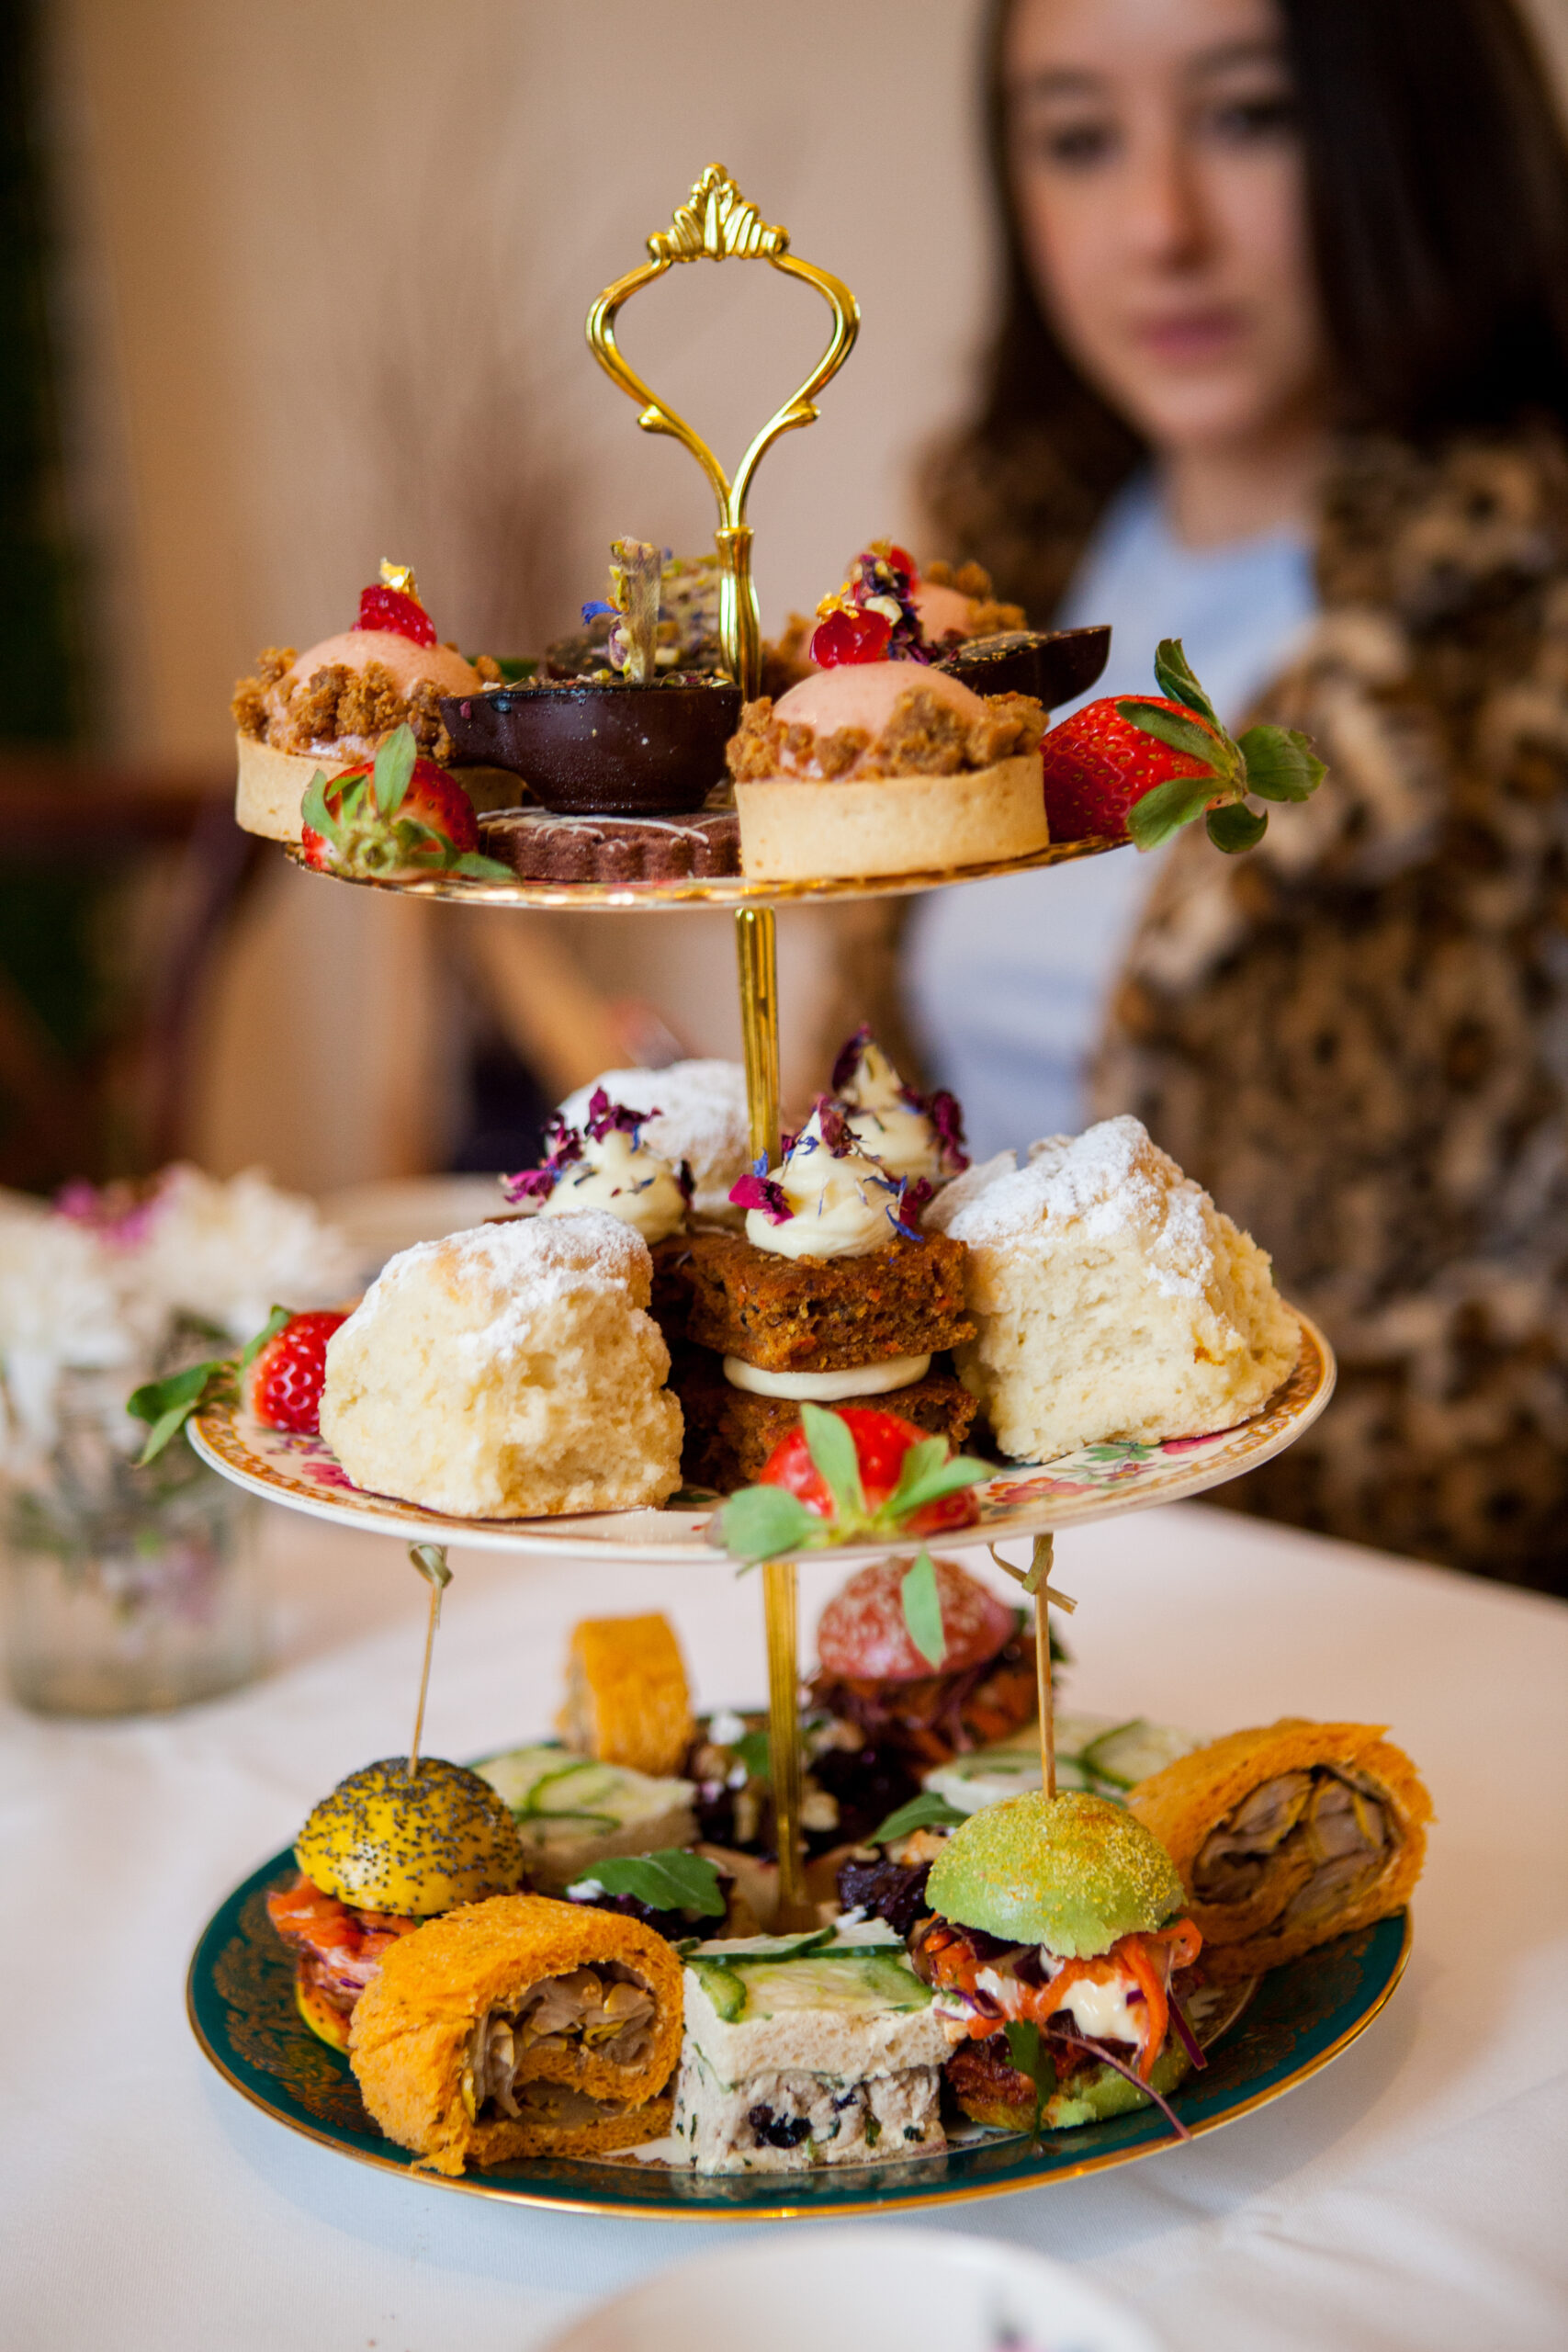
1058, 1954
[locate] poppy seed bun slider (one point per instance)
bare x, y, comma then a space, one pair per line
1066, 1914
388, 1839
386, 1849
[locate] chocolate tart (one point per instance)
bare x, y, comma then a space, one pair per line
601, 750
1055, 666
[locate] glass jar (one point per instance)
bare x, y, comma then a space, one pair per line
127, 1592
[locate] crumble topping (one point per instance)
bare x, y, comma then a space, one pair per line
925, 736
337, 705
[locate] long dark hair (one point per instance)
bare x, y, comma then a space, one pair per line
1437, 192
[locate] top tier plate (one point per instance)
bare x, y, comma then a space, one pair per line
731, 890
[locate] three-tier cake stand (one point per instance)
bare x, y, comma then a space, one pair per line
1030, 1501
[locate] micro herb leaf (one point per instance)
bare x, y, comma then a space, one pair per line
1175, 676
754, 1749
927, 1811
832, 1452
314, 811
269, 1331
670, 1879
922, 1611
1236, 828
1028, 2055
1280, 763
1169, 807
394, 768
1182, 734
764, 1523
480, 869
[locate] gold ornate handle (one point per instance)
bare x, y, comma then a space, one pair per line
716, 223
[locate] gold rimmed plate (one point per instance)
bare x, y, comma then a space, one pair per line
721, 891
1298, 2019
1022, 1499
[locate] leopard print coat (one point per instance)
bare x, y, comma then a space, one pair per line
1357, 1036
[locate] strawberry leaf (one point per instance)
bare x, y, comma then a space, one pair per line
922, 1612
832, 1452
480, 869
394, 767
931, 1480
1280, 763
169, 1403
1236, 828
764, 1523
1169, 807
315, 811
1182, 734
269, 1331
1175, 676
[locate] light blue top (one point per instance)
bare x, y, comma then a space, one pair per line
1009, 980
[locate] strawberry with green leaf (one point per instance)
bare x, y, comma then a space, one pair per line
279, 1376
850, 1476
396, 820
1138, 768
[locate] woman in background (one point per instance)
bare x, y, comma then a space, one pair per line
1282, 369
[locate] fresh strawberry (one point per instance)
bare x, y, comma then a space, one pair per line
283, 1385
1140, 767
393, 822
847, 1475
389, 608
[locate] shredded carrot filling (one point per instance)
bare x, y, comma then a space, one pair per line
1144, 1962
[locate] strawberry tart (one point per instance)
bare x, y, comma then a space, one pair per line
333, 707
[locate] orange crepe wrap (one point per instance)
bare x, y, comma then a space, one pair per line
488, 2038
1287, 1836
626, 1701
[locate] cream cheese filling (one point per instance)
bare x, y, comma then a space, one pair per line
827, 1387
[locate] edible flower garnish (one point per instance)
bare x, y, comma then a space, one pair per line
873, 617
758, 1190
563, 1146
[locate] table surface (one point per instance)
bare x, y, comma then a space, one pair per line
1410, 2195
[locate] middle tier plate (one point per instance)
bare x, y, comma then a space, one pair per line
1022, 1499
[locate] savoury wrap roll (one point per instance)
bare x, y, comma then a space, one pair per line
1287, 1835
520, 2026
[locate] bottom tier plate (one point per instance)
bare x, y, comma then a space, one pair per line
240, 1999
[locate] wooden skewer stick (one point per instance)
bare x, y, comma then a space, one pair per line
430, 1559
1044, 1546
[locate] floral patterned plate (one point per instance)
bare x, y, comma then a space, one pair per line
1025, 1499
240, 1999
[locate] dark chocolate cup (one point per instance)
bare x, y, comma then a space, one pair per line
591, 751
1053, 665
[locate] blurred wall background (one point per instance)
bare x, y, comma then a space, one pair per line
327, 263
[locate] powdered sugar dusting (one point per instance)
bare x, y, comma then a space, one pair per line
1115, 1182
516, 1270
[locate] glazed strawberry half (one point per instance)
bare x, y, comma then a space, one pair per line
1138, 768
284, 1381
395, 819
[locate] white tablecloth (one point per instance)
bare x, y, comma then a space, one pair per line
1410, 2195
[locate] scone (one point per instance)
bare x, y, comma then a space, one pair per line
1112, 1299
508, 1373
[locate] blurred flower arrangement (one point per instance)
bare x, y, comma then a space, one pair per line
128, 1587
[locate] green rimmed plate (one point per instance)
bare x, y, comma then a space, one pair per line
240, 1999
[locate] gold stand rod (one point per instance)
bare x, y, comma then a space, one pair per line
756, 951
778, 1595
